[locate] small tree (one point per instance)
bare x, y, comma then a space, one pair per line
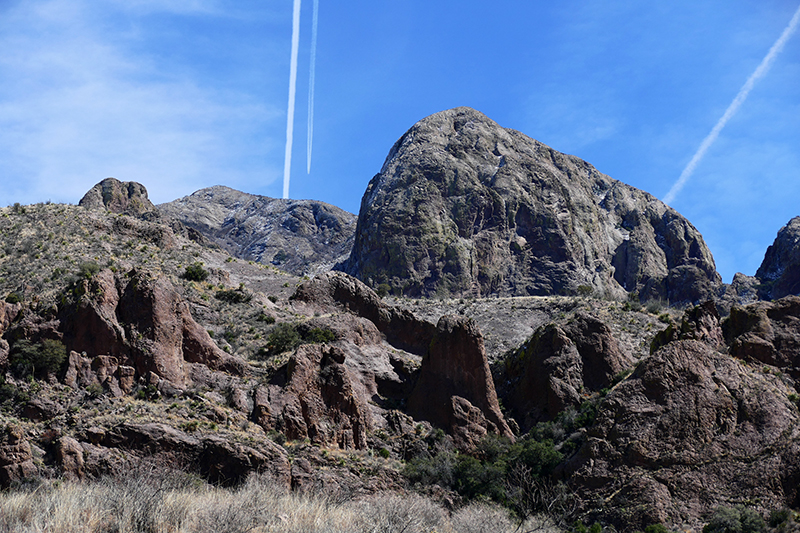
195, 272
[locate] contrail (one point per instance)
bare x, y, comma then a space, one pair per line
287, 165
759, 73
311, 76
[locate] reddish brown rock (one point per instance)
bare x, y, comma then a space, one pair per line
768, 332
401, 327
700, 323
141, 322
456, 365
116, 196
559, 364
690, 430
16, 460
321, 400
69, 454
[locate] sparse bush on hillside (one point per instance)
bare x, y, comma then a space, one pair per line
286, 337
13, 298
234, 296
737, 519
195, 272
88, 269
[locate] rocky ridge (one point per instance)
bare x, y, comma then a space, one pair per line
303, 237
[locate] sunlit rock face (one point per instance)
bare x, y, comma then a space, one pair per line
463, 206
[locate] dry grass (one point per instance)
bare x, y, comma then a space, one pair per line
175, 503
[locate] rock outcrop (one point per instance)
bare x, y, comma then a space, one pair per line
691, 429
455, 388
779, 273
16, 459
303, 237
401, 327
767, 332
127, 197
139, 321
558, 365
463, 206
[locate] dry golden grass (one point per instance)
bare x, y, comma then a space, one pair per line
158, 502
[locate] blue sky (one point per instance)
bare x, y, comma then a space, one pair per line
184, 94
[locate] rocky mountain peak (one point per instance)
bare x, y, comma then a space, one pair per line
779, 273
463, 206
128, 197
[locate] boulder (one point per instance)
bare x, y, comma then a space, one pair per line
768, 332
558, 365
16, 459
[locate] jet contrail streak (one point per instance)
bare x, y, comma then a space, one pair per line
311, 76
287, 164
759, 73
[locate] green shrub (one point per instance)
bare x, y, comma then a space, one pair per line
45, 357
13, 298
88, 269
318, 336
735, 520
264, 317
195, 272
234, 296
283, 338
383, 290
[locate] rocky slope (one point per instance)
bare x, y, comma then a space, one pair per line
463, 206
298, 236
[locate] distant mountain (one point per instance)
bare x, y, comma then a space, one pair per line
298, 236
463, 206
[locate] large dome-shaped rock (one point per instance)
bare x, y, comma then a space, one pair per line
464, 206
298, 236
779, 273
128, 197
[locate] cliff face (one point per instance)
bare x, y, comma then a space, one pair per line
298, 236
779, 273
464, 206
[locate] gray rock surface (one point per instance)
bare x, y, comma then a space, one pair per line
298, 236
463, 206
126, 197
779, 273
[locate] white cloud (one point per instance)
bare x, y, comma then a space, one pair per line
78, 105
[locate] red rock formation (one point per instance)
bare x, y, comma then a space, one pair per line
690, 430
143, 323
768, 332
455, 384
559, 363
320, 401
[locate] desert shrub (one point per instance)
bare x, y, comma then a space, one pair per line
318, 336
735, 520
481, 518
585, 290
383, 290
393, 513
233, 296
264, 317
13, 298
283, 338
195, 272
29, 359
88, 269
